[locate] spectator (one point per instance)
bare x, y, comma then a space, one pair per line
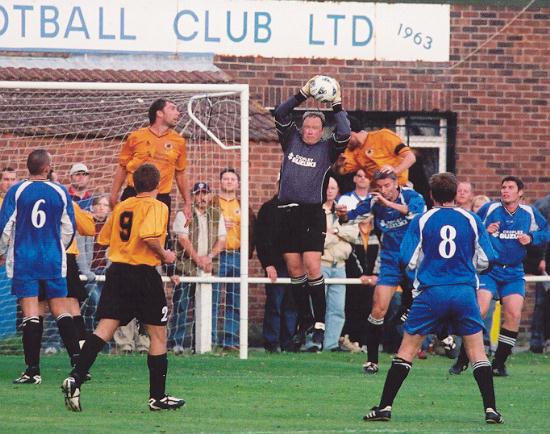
359, 263
200, 243
464, 195
80, 178
8, 302
478, 201
333, 265
92, 260
9, 177
280, 317
230, 257
540, 329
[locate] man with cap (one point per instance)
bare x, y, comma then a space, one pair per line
199, 244
80, 178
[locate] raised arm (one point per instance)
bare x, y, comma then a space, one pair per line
342, 130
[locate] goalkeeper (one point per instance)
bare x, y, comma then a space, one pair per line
135, 233
303, 179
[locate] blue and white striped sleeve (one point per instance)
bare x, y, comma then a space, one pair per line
7, 220
411, 246
485, 255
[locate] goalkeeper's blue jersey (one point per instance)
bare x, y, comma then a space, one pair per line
446, 247
36, 225
524, 220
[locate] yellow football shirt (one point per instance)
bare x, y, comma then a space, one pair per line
132, 221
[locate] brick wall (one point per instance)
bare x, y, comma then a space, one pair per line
501, 96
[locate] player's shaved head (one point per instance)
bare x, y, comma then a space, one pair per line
443, 187
38, 160
146, 178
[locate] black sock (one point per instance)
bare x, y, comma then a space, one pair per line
79, 327
396, 375
158, 367
462, 359
32, 338
86, 359
67, 331
317, 292
506, 341
372, 338
484, 378
301, 298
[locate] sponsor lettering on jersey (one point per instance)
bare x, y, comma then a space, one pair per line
302, 161
508, 234
393, 224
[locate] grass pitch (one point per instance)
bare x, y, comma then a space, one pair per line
279, 393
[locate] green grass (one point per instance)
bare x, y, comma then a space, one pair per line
281, 393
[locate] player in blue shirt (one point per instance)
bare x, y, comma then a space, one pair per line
443, 247
513, 226
36, 225
393, 208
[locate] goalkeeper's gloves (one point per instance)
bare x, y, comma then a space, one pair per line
337, 102
305, 90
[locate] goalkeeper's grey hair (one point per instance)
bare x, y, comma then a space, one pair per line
314, 114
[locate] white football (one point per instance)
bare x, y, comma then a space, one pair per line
323, 88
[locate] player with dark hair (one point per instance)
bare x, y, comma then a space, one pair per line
307, 160
393, 208
135, 233
36, 226
513, 227
160, 145
379, 150
443, 247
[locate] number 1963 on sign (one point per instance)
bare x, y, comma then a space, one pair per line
407, 32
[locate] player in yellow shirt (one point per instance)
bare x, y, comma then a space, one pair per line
160, 145
377, 150
135, 233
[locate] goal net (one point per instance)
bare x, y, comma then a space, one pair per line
88, 123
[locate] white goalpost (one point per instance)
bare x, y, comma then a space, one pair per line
88, 122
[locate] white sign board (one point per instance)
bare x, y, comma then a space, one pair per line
346, 30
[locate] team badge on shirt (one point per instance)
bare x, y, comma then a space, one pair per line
168, 146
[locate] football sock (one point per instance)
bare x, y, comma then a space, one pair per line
372, 338
158, 367
317, 292
32, 338
301, 298
67, 331
79, 327
462, 358
484, 378
86, 359
399, 370
506, 341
